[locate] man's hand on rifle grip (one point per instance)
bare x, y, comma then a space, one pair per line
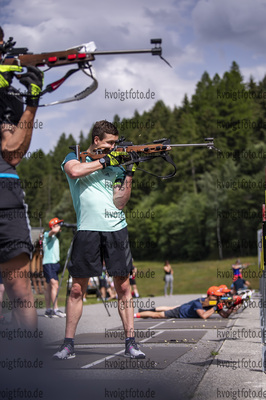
114, 158
33, 80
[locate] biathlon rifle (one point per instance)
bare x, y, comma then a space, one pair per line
81, 55
143, 152
231, 301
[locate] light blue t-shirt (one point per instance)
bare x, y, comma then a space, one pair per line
92, 198
51, 251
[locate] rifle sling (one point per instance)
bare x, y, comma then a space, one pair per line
55, 85
165, 156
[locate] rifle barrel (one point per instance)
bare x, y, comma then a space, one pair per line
191, 145
155, 51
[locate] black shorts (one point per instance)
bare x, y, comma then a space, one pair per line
172, 313
50, 271
90, 248
15, 235
132, 281
103, 283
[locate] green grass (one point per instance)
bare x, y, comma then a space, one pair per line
193, 277
189, 277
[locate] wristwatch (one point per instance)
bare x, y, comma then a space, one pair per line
102, 161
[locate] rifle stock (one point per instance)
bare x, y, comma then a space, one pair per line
53, 59
138, 149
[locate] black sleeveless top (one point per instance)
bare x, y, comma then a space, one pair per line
11, 194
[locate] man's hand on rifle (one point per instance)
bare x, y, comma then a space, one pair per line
131, 168
7, 73
220, 309
33, 80
237, 303
114, 158
219, 306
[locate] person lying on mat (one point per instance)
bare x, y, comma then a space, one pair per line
199, 308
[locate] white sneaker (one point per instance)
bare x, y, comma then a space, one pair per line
65, 352
58, 313
133, 351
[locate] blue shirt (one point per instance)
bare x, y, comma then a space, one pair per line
92, 197
51, 252
188, 310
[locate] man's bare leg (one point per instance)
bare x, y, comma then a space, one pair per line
74, 312
16, 278
53, 292
125, 304
47, 296
75, 305
151, 314
126, 312
164, 308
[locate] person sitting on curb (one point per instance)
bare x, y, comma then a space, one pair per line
199, 308
240, 284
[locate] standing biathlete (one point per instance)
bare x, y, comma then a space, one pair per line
237, 270
16, 126
100, 189
51, 266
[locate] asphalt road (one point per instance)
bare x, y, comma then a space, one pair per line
185, 359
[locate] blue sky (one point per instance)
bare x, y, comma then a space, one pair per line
198, 36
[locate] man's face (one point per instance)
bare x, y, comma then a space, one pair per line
56, 227
107, 144
212, 297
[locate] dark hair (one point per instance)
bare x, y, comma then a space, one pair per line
101, 128
1, 34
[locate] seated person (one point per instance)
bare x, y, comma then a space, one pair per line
239, 284
199, 308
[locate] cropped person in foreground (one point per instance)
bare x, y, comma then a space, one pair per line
16, 127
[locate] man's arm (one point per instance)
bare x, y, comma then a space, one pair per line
205, 314
225, 314
74, 169
54, 230
122, 193
16, 140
